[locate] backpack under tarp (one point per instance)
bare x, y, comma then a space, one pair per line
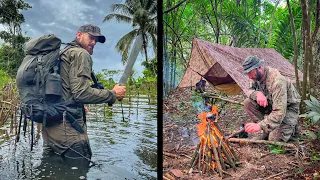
39, 83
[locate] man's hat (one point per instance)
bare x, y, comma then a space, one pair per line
251, 62
94, 31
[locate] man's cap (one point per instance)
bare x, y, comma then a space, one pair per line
94, 31
251, 62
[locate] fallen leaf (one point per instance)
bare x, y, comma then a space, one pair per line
177, 173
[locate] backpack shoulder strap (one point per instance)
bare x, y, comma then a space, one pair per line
66, 48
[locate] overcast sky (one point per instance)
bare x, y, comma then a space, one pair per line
64, 17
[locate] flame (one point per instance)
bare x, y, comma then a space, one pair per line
203, 117
211, 138
202, 127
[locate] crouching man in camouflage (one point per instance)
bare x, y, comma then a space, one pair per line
272, 100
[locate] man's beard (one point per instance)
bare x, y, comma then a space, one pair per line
259, 75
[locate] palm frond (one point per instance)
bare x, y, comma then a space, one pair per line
151, 5
134, 4
154, 19
314, 109
122, 9
142, 15
153, 9
151, 28
154, 42
118, 17
124, 44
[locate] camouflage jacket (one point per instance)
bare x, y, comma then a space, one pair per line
280, 93
76, 67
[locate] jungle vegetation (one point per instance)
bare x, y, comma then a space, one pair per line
290, 27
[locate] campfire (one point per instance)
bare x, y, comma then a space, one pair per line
213, 153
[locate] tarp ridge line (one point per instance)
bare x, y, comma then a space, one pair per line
201, 54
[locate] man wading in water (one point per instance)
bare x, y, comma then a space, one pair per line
75, 72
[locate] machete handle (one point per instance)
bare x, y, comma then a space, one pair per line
120, 84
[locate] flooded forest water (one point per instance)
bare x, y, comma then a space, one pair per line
124, 146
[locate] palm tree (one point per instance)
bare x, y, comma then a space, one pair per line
142, 15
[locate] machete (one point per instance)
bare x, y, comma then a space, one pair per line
131, 60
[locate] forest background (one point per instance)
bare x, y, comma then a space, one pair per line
291, 27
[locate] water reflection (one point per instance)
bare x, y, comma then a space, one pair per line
121, 149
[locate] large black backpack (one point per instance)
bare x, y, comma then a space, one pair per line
39, 83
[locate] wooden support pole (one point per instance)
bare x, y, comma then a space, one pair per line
195, 155
250, 141
225, 99
199, 163
223, 166
170, 155
233, 154
215, 152
229, 157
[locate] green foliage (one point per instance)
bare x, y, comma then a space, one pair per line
4, 78
314, 155
276, 149
11, 18
142, 15
245, 24
282, 39
145, 84
314, 110
106, 77
111, 141
299, 170
10, 59
151, 68
11, 51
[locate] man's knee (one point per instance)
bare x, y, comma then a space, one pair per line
249, 104
275, 135
282, 133
78, 151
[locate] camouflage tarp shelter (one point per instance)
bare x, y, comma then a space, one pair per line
222, 66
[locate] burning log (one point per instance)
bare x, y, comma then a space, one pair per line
213, 153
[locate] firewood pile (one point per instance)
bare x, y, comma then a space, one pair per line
213, 153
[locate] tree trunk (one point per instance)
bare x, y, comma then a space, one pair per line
316, 53
309, 44
272, 18
145, 45
165, 57
307, 47
295, 47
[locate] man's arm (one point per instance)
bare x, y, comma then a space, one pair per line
279, 105
79, 76
252, 92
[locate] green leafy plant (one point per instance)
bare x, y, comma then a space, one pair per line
276, 149
314, 155
313, 106
299, 170
4, 78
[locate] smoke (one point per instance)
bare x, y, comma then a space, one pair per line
198, 103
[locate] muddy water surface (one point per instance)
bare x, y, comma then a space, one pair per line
123, 147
